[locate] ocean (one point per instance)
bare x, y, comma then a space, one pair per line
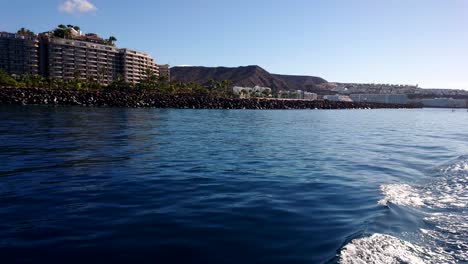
121, 185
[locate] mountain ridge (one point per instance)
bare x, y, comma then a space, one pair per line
246, 76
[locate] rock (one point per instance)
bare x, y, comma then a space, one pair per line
183, 101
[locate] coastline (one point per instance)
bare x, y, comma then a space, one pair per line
134, 99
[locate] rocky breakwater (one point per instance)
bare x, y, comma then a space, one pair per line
33, 96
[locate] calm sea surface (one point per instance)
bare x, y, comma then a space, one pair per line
111, 185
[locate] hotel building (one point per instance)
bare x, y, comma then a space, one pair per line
87, 57
67, 59
164, 71
19, 54
135, 65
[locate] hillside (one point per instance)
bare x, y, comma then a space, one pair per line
306, 83
244, 76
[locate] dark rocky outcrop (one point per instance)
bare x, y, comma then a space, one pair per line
26, 96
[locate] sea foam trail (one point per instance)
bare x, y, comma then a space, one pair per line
443, 204
451, 191
401, 194
385, 249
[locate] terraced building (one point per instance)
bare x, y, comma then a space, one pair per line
68, 59
82, 56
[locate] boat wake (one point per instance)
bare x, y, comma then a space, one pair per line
443, 236
380, 248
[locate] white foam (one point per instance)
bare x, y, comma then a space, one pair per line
380, 249
451, 230
451, 191
400, 194
459, 166
444, 204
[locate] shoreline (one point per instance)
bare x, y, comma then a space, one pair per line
136, 99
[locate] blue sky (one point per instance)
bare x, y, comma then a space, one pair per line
421, 42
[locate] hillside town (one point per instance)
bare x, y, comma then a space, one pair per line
383, 98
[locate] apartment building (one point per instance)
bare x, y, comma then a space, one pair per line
337, 98
83, 56
68, 59
136, 65
164, 71
19, 54
380, 98
445, 103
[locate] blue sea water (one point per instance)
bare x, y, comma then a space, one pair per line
116, 185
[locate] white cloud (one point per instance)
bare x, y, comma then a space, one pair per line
77, 6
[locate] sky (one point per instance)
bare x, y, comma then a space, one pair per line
422, 42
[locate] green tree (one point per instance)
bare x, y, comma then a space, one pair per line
76, 82
6, 80
62, 31
118, 84
225, 87
266, 93
25, 32
102, 75
111, 40
149, 81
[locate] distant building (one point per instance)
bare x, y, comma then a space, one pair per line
135, 65
297, 94
337, 98
246, 92
68, 59
309, 96
165, 71
380, 98
283, 94
242, 92
444, 103
19, 54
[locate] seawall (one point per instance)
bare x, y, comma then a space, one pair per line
32, 96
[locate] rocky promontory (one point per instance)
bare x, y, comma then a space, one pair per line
36, 96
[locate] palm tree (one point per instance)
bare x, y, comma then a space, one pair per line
25, 32
102, 75
112, 40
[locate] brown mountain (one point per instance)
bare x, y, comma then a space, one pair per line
305, 83
244, 76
